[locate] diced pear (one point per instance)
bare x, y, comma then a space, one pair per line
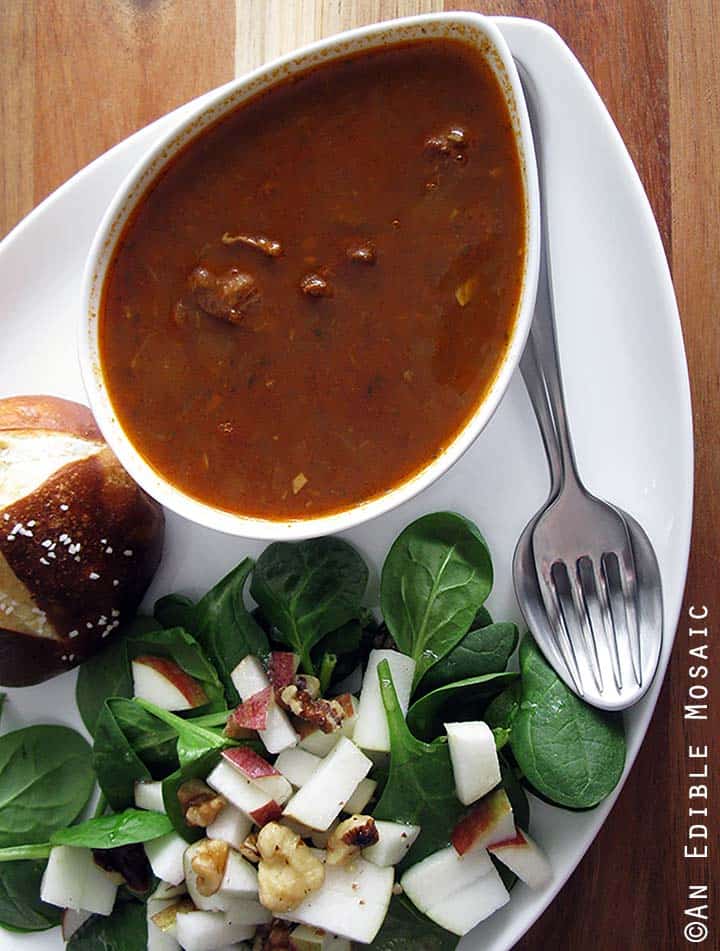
231, 826
239, 790
489, 821
442, 874
73, 880
523, 857
165, 855
209, 931
371, 730
157, 938
352, 901
249, 678
394, 842
166, 891
323, 796
241, 878
244, 911
297, 765
462, 911
319, 743
364, 791
474, 758
306, 938
216, 902
148, 795
71, 921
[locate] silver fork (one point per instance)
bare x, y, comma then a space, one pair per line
585, 573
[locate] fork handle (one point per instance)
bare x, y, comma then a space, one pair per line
535, 385
543, 334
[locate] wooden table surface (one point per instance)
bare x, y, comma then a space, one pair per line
76, 76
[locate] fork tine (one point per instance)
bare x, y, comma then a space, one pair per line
628, 580
558, 627
616, 598
582, 613
608, 623
597, 618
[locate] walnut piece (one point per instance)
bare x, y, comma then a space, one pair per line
288, 870
209, 863
355, 833
200, 804
249, 849
326, 715
273, 937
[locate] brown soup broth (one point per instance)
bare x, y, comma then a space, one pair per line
361, 303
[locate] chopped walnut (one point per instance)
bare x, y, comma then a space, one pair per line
165, 919
361, 252
209, 863
325, 715
315, 285
227, 295
288, 870
355, 833
200, 804
249, 849
309, 684
273, 937
273, 249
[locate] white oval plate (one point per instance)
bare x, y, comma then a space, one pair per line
626, 381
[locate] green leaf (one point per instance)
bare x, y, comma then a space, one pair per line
420, 788
436, 576
113, 831
117, 766
3, 698
571, 753
308, 589
502, 710
426, 716
152, 740
193, 741
225, 628
20, 906
46, 779
195, 769
177, 645
483, 650
175, 610
19, 853
108, 673
406, 928
124, 930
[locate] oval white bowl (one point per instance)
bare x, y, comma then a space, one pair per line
472, 29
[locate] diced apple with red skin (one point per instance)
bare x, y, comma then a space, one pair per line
73, 880
523, 857
148, 795
249, 678
488, 821
160, 681
231, 826
209, 931
457, 892
297, 765
165, 855
324, 795
352, 901
252, 714
282, 668
474, 758
243, 793
394, 842
371, 730
266, 777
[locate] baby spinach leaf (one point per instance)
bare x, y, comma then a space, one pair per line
124, 930
571, 753
225, 628
308, 589
195, 769
436, 576
515, 793
175, 610
108, 674
46, 779
3, 698
405, 927
113, 831
484, 650
117, 766
426, 716
193, 741
177, 645
153, 741
420, 788
502, 710
20, 906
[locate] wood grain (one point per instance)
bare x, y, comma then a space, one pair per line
78, 75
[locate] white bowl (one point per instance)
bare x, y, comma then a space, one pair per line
473, 29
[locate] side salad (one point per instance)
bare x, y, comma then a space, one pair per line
305, 773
